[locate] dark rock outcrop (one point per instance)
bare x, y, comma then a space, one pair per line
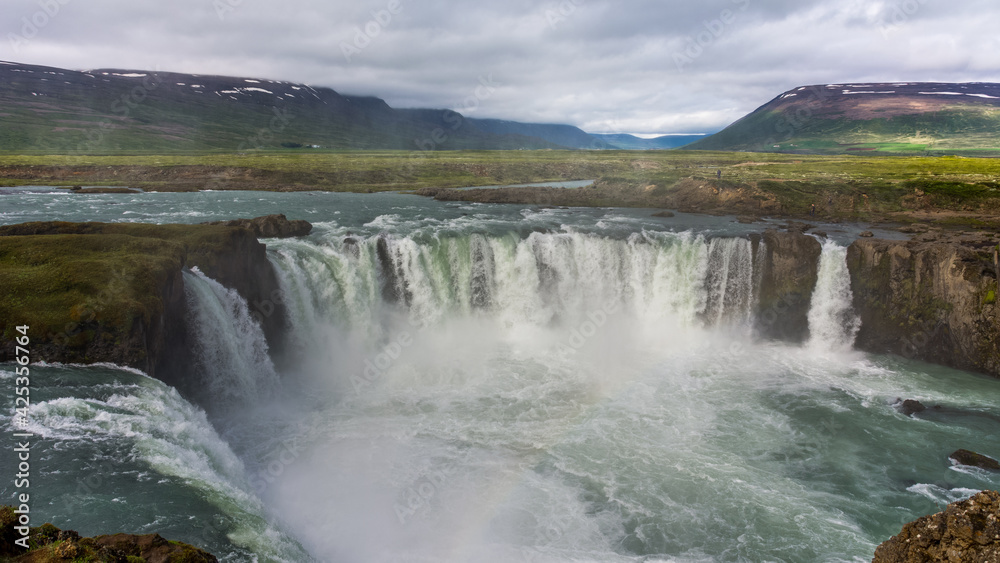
789, 262
973, 459
910, 406
124, 301
394, 288
966, 531
270, 226
928, 301
49, 544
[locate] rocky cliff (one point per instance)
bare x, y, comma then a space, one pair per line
50, 544
933, 300
114, 292
966, 531
789, 263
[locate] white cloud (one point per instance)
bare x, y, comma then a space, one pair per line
599, 64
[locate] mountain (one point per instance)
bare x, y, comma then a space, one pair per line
565, 135
631, 142
890, 117
44, 109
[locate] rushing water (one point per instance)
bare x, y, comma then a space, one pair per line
505, 383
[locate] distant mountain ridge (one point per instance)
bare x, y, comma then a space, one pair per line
631, 142
889, 117
45, 109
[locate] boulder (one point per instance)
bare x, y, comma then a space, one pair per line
664, 214
910, 406
798, 226
966, 531
270, 226
966, 457
49, 543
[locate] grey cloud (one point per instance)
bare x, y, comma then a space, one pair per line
644, 66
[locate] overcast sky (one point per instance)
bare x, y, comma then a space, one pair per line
638, 66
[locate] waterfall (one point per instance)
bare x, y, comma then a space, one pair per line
230, 350
543, 279
731, 281
832, 322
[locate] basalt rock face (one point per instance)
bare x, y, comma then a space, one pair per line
966, 531
933, 301
239, 261
96, 292
790, 262
270, 226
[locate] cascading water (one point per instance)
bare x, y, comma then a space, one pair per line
122, 430
832, 322
731, 281
230, 351
504, 383
539, 280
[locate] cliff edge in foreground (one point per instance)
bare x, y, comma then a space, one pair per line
966, 531
114, 292
48, 543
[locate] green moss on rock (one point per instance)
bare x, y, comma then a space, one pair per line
49, 544
113, 292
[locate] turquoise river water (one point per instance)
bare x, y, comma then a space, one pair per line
470, 382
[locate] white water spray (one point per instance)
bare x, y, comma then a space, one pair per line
230, 350
832, 321
543, 280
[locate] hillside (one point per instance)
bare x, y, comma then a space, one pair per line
886, 117
625, 141
51, 110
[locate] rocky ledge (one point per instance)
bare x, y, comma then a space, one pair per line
48, 543
929, 299
966, 531
270, 226
114, 292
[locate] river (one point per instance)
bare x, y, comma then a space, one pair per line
470, 382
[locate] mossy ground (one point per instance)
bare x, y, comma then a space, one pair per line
842, 186
49, 544
92, 273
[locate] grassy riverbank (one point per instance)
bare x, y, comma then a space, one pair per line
844, 186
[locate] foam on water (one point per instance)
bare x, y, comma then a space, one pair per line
832, 322
173, 438
541, 385
230, 350
566, 396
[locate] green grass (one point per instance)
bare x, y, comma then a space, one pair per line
93, 274
52, 282
876, 182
